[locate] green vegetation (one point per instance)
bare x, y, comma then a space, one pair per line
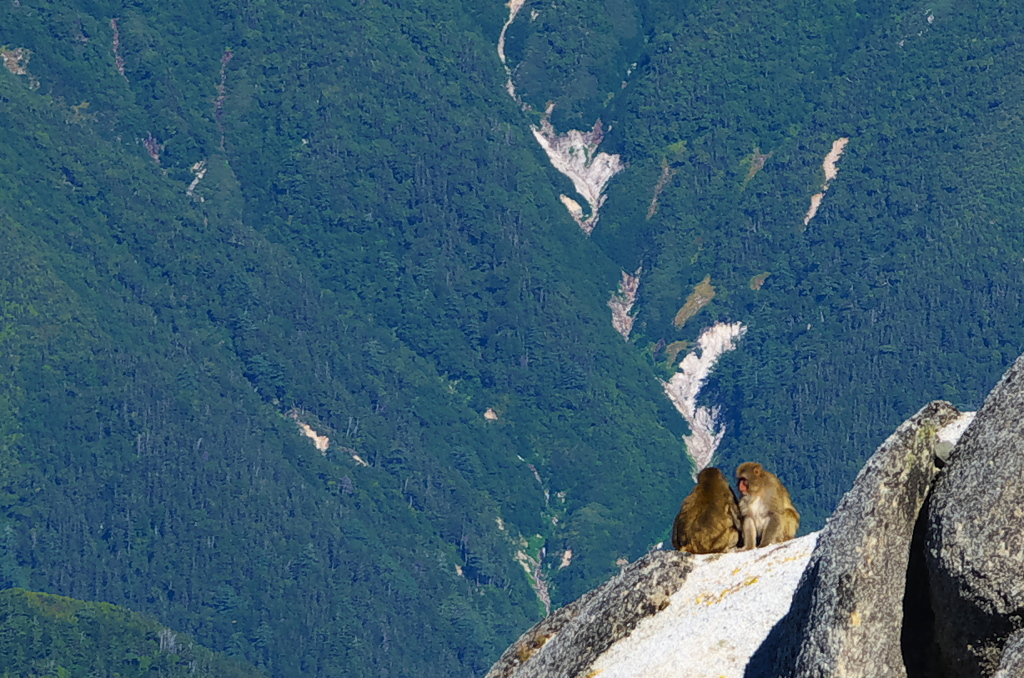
335, 211
45, 635
906, 286
333, 260
702, 295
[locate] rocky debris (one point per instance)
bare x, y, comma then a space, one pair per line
567, 642
575, 155
535, 573
15, 60
975, 537
667, 172
513, 8
847, 614
116, 48
198, 172
153, 147
621, 303
319, 441
682, 389
1012, 663
831, 170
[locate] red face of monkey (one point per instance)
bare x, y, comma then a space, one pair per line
748, 474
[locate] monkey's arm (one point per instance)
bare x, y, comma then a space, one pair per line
772, 531
680, 538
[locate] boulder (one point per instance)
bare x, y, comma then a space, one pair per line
569, 640
975, 537
847, 613
716, 620
1011, 664
637, 626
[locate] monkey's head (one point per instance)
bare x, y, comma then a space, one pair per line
711, 476
748, 476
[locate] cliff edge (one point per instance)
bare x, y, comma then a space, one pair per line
916, 574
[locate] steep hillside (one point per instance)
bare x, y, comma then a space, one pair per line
896, 123
909, 274
58, 636
304, 354
222, 224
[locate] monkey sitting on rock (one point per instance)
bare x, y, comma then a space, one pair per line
766, 511
709, 519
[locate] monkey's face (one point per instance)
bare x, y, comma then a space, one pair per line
748, 475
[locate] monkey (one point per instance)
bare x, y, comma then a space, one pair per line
766, 511
709, 519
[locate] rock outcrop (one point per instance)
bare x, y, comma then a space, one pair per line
568, 642
847, 614
668, 615
919, 573
1011, 664
975, 538
716, 620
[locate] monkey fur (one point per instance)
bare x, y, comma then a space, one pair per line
766, 511
709, 519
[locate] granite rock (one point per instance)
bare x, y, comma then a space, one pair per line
1011, 664
975, 537
569, 640
847, 613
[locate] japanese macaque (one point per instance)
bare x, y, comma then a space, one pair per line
709, 519
766, 511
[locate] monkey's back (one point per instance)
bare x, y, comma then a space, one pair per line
708, 521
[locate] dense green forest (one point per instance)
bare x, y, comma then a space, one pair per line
46, 635
220, 219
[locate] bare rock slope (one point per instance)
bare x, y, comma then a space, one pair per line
668, 615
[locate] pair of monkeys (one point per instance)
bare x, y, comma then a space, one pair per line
712, 521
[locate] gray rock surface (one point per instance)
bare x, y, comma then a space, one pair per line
1011, 664
847, 614
570, 639
975, 536
717, 619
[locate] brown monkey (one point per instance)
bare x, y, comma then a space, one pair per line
767, 513
709, 519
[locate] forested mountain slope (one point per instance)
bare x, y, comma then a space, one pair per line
905, 285
46, 635
221, 219
371, 247
908, 283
